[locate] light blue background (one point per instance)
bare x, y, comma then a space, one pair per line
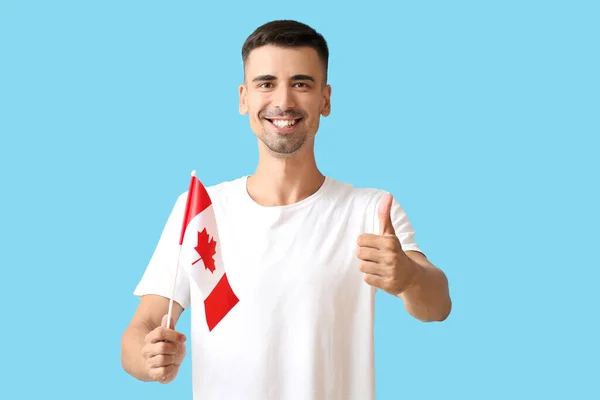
482, 118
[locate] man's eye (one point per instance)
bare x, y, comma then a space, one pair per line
300, 84
265, 85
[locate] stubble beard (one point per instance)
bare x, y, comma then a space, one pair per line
283, 145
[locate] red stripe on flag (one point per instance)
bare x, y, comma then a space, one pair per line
219, 302
198, 200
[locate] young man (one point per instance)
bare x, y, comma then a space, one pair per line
304, 253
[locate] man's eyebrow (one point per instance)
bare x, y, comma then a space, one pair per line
264, 78
299, 77
303, 78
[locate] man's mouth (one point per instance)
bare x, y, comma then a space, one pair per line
284, 123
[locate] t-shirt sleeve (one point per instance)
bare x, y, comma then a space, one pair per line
160, 272
402, 225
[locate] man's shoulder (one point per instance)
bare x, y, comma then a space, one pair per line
227, 186
345, 190
218, 191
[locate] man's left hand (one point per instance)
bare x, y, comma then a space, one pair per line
382, 260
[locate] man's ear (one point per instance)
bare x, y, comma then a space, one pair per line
243, 99
326, 107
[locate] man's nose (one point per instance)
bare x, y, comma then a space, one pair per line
284, 98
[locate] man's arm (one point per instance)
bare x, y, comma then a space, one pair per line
150, 351
405, 274
428, 296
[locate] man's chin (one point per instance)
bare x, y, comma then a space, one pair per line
283, 146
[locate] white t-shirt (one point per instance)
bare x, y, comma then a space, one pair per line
303, 327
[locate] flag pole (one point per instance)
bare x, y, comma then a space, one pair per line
177, 267
173, 291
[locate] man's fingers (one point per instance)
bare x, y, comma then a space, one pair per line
371, 268
369, 240
368, 254
180, 354
164, 351
163, 348
169, 377
161, 373
161, 360
170, 374
377, 242
374, 280
160, 348
164, 334
385, 219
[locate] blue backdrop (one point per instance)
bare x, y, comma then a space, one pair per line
482, 118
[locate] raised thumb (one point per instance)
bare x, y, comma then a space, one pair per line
386, 227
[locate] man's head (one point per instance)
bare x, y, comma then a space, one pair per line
285, 88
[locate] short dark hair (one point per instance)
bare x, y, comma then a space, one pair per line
287, 33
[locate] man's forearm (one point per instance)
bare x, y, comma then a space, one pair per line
428, 298
132, 343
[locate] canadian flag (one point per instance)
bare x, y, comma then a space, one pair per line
200, 253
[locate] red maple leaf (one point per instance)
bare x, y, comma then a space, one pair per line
206, 250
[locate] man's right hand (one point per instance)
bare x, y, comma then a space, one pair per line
163, 352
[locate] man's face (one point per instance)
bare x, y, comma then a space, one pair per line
284, 94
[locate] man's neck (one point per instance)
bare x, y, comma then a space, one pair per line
278, 182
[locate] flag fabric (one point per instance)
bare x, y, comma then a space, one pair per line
200, 253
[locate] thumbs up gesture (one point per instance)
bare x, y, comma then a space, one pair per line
382, 259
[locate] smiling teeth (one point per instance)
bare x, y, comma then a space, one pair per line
283, 123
